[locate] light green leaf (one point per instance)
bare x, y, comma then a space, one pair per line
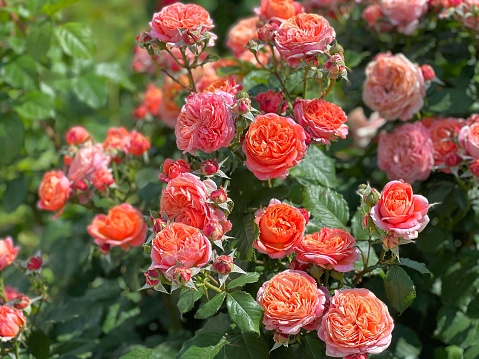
11, 138
211, 307
35, 106
91, 89
204, 346
316, 168
455, 328
242, 280
244, 311
76, 39
399, 288
39, 39
21, 73
357, 227
328, 208
54, 6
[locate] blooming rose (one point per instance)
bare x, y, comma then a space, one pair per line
173, 20
291, 300
205, 123
241, 33
139, 144
302, 37
226, 84
77, 135
400, 211
171, 169
180, 245
123, 226
89, 159
357, 322
278, 10
404, 15
185, 200
362, 128
117, 138
469, 139
12, 322
469, 13
406, 153
330, 248
443, 134
142, 61
281, 227
169, 109
323, 120
394, 87
152, 100
273, 145
271, 102
8, 252
102, 179
54, 191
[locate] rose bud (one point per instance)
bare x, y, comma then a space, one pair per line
223, 264
158, 224
67, 160
335, 66
152, 277
181, 275
305, 214
267, 31
244, 106
142, 38
21, 302
296, 265
219, 196
34, 263
356, 356
372, 198
427, 72
281, 338
213, 230
105, 249
209, 167
77, 135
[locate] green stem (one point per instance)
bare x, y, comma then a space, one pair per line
330, 87
2, 290
188, 69
212, 287
326, 278
305, 84
370, 269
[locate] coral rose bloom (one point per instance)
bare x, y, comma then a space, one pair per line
273, 145
12, 321
168, 24
123, 226
278, 9
394, 87
205, 123
281, 227
406, 153
357, 322
89, 159
8, 252
404, 15
180, 245
302, 37
171, 169
324, 121
400, 211
330, 248
241, 33
469, 139
291, 300
77, 135
54, 191
443, 133
117, 138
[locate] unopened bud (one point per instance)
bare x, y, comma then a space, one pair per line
159, 224
372, 198
223, 264
267, 32
427, 72
209, 167
356, 356
181, 275
336, 49
143, 38
281, 338
105, 249
213, 230
335, 66
296, 265
219, 196
152, 277
34, 263
21, 302
305, 214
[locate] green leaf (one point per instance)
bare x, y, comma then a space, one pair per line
245, 231
11, 138
188, 298
399, 288
138, 353
15, 193
39, 39
244, 311
450, 102
473, 308
246, 346
357, 226
472, 352
455, 328
420, 267
35, 106
21, 73
313, 347
39, 344
328, 207
114, 72
76, 39
54, 6
204, 346
243, 279
316, 168
91, 89
220, 323
211, 307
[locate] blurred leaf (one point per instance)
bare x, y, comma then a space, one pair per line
39, 39
140, 353
54, 6
21, 73
461, 277
246, 346
455, 328
211, 307
472, 352
420, 267
114, 72
242, 280
204, 346
35, 106
399, 288
328, 208
76, 39
39, 344
187, 300
473, 308
220, 323
91, 89
244, 311
11, 138
353, 58
450, 102
316, 168
15, 193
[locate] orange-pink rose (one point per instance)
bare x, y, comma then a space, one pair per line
303, 37
8, 252
278, 10
330, 248
180, 245
54, 191
469, 139
273, 145
400, 211
394, 87
117, 139
89, 159
123, 226
444, 132
406, 153
77, 135
171, 169
357, 322
12, 321
281, 227
241, 33
291, 300
404, 15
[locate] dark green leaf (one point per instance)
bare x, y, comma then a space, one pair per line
244, 311
328, 207
204, 346
39, 39
39, 344
455, 328
188, 298
316, 168
220, 323
357, 227
15, 194
243, 279
313, 347
35, 106
420, 267
473, 308
211, 307
91, 89
472, 352
246, 346
21, 73
450, 102
138, 353
76, 39
245, 231
11, 138
399, 288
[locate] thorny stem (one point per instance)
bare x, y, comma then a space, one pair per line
361, 274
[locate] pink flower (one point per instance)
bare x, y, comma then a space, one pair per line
8, 252
180, 245
12, 321
324, 121
278, 10
444, 132
362, 128
303, 37
139, 144
469, 139
406, 153
172, 21
54, 191
400, 211
77, 135
271, 102
117, 139
394, 87
205, 123
102, 179
469, 13
241, 33
330, 248
357, 322
89, 159
171, 169
404, 15
427, 72
291, 300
